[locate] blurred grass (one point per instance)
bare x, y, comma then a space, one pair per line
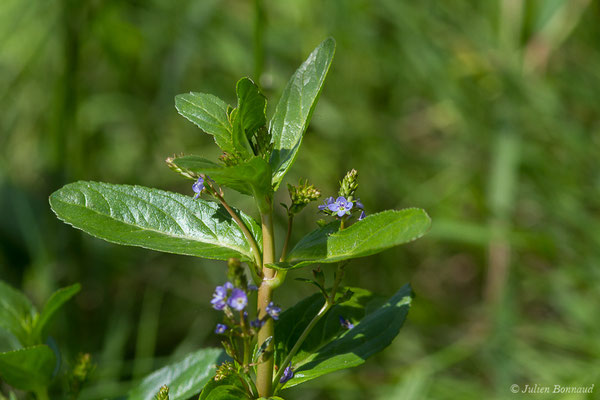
484, 113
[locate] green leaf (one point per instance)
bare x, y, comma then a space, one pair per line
371, 235
209, 113
252, 177
184, 379
249, 115
329, 347
295, 108
56, 301
17, 314
30, 368
154, 219
225, 389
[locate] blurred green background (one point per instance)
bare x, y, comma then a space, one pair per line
484, 113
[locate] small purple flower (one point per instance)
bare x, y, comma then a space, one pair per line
326, 204
346, 323
362, 216
220, 296
198, 187
359, 204
237, 300
252, 288
273, 311
257, 323
341, 206
287, 374
220, 329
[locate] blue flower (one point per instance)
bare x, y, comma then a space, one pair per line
220, 296
287, 374
257, 323
252, 288
198, 187
326, 204
359, 204
237, 300
346, 323
341, 206
362, 216
220, 329
273, 311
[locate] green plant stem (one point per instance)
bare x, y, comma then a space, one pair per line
287, 237
239, 222
264, 370
339, 274
301, 339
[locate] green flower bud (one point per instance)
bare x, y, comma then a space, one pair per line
223, 371
301, 195
349, 184
163, 393
230, 159
82, 369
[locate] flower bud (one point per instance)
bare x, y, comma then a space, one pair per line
163, 393
223, 371
301, 195
349, 184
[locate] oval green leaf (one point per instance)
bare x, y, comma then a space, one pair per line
329, 347
294, 110
17, 314
228, 388
373, 234
154, 219
249, 115
30, 368
54, 303
184, 379
209, 113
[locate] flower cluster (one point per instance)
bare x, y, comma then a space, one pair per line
341, 207
229, 298
301, 195
345, 204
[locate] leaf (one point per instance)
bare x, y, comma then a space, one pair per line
209, 113
228, 388
371, 235
292, 322
250, 115
184, 379
17, 314
56, 301
30, 368
154, 219
329, 347
252, 177
295, 108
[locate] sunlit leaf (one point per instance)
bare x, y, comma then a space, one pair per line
371, 235
154, 219
184, 378
295, 108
